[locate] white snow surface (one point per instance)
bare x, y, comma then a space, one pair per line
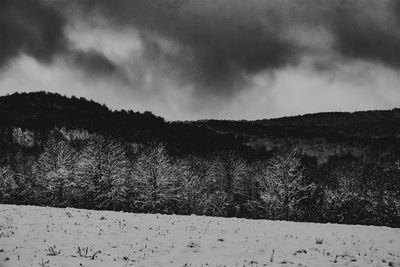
27, 234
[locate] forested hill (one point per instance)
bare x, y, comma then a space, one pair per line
369, 124
41, 112
368, 133
340, 125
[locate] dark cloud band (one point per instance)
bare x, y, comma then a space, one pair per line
37, 28
219, 43
31, 27
229, 39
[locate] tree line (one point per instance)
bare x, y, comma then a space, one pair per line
79, 169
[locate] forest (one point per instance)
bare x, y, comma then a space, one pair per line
65, 157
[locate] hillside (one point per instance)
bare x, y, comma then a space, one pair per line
370, 135
366, 134
41, 236
376, 124
41, 112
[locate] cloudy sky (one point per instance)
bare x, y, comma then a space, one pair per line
194, 59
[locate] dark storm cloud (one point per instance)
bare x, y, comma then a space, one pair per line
214, 45
217, 45
37, 28
364, 33
93, 62
32, 27
221, 42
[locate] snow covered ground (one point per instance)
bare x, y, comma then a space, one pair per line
40, 236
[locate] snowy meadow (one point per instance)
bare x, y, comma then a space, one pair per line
42, 236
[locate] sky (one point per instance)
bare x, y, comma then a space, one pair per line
191, 59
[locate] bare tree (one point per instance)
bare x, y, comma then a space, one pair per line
7, 185
54, 170
351, 198
103, 169
154, 174
225, 179
192, 172
283, 187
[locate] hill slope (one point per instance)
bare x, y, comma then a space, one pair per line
41, 112
371, 135
367, 134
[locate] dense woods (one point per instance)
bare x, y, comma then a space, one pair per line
72, 159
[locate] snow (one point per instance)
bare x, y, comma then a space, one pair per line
30, 235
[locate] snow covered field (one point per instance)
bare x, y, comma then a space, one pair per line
39, 236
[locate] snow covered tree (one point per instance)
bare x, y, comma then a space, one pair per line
103, 169
156, 181
192, 172
54, 171
21, 164
7, 185
283, 186
348, 201
253, 204
225, 181
23, 137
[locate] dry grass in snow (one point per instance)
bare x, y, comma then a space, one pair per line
41, 236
